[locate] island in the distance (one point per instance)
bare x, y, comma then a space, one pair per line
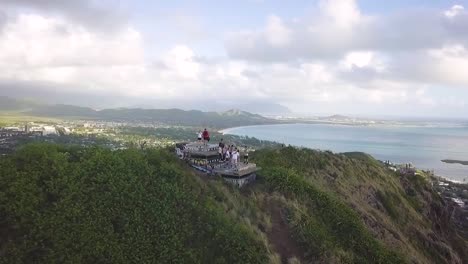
451, 161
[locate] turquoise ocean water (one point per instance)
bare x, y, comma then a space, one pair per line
424, 147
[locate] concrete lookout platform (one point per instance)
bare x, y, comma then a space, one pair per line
206, 158
239, 175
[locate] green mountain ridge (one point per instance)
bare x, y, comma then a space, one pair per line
74, 204
225, 119
16, 105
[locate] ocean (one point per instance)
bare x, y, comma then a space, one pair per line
424, 147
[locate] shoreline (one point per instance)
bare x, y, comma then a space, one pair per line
347, 124
447, 178
226, 130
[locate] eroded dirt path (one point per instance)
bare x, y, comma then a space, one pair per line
280, 235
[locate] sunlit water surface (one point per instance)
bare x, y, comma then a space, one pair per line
425, 147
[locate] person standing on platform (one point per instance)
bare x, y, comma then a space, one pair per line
221, 149
246, 155
227, 156
225, 151
200, 134
235, 157
206, 136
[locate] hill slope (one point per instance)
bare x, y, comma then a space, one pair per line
404, 213
197, 118
15, 105
63, 204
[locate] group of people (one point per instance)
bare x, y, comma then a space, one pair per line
230, 153
227, 153
205, 136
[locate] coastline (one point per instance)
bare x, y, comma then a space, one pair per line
226, 130
382, 124
441, 170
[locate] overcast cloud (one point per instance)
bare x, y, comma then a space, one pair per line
334, 58
102, 15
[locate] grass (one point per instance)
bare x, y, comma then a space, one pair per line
390, 203
327, 225
16, 118
391, 206
338, 208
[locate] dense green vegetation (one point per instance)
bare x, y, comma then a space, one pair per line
61, 204
349, 208
73, 204
323, 224
334, 224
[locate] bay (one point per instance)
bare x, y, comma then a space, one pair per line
424, 147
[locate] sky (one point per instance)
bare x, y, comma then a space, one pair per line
389, 58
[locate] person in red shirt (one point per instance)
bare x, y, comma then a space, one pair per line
206, 136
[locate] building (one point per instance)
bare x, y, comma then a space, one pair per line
49, 130
205, 158
8, 132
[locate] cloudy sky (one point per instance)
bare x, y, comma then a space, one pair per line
398, 58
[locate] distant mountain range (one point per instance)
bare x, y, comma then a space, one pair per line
261, 108
15, 105
225, 119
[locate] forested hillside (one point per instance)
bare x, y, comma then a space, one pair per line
61, 205
72, 204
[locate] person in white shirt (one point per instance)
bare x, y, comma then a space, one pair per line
235, 157
199, 136
227, 155
220, 153
246, 155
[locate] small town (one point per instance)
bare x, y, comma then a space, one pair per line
83, 134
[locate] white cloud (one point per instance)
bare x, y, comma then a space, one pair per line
180, 60
341, 57
363, 59
89, 13
338, 27
343, 13
46, 49
277, 33
449, 65
454, 11
37, 41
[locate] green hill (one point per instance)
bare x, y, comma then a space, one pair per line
197, 118
190, 118
73, 204
63, 111
62, 205
8, 104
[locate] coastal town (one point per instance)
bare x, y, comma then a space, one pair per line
111, 134
78, 133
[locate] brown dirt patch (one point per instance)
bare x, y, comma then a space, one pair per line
280, 235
